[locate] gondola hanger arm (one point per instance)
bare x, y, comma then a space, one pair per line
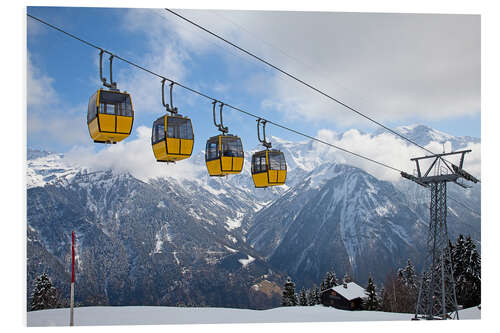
111, 85
263, 141
169, 107
221, 125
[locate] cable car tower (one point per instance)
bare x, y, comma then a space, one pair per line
436, 295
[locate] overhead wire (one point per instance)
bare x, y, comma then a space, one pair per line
464, 205
298, 61
228, 105
212, 98
294, 77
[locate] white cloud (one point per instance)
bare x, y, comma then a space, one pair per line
58, 128
134, 156
33, 28
167, 54
39, 89
389, 150
48, 121
393, 67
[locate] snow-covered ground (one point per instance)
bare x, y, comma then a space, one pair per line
158, 315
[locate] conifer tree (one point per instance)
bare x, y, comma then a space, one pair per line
410, 277
317, 298
302, 298
333, 279
467, 272
289, 298
310, 297
381, 297
328, 280
44, 295
371, 303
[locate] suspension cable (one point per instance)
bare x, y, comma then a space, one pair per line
212, 98
300, 81
230, 106
464, 205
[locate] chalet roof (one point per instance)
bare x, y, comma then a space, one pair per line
352, 291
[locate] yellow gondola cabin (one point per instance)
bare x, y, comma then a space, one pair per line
224, 155
268, 168
110, 116
172, 138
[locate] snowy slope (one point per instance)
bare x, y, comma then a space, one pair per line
341, 217
177, 315
327, 215
48, 168
423, 135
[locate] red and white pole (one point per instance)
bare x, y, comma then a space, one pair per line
72, 302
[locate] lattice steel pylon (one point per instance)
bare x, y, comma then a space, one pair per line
436, 296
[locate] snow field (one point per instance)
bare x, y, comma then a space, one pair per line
159, 315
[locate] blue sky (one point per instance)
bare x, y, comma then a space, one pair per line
402, 73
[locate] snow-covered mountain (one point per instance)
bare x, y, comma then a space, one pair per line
342, 217
162, 242
48, 168
212, 240
423, 135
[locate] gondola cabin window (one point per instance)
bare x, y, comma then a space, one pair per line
212, 150
186, 130
231, 147
159, 131
115, 104
259, 164
92, 110
179, 128
276, 161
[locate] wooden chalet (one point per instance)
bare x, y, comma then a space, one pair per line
346, 296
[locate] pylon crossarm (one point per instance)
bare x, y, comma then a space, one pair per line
442, 154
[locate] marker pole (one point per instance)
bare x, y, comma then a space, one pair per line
72, 302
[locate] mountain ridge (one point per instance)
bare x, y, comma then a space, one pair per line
323, 218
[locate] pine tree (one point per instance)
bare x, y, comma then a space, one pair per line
347, 278
333, 279
467, 272
382, 299
310, 297
302, 298
371, 303
317, 298
328, 280
410, 277
322, 286
44, 295
289, 297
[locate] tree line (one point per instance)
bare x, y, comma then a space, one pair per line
398, 294
310, 297
399, 291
